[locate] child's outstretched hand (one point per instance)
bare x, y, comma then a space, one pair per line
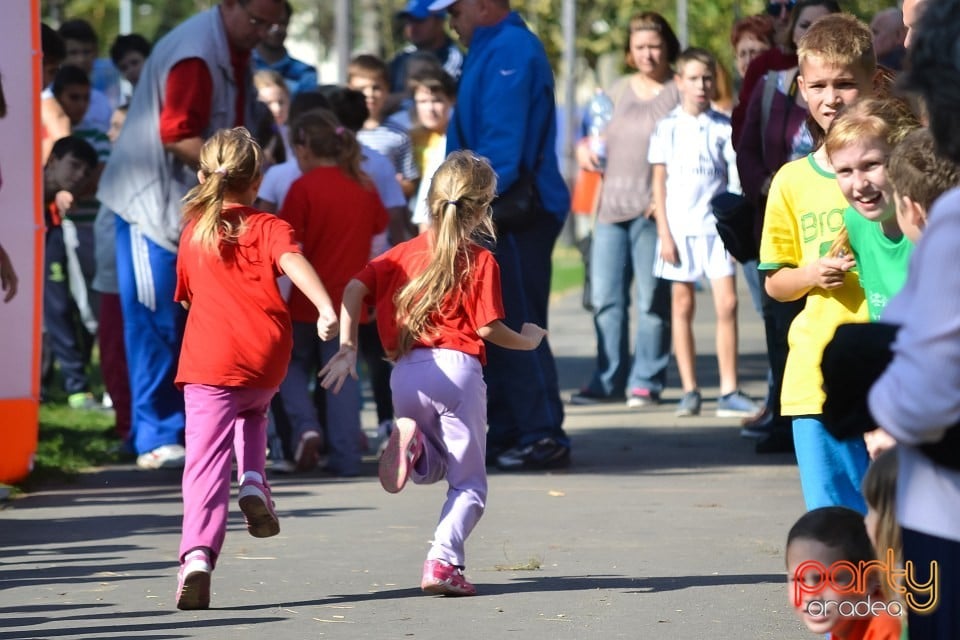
327, 324
533, 333
830, 272
340, 366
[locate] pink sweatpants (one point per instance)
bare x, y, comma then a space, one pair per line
444, 392
220, 420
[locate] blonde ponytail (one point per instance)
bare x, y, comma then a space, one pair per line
230, 162
459, 202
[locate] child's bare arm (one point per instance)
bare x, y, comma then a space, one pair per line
345, 362
301, 273
668, 248
501, 335
792, 283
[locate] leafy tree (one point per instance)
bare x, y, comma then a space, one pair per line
600, 23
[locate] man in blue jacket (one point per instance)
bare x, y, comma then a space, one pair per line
506, 112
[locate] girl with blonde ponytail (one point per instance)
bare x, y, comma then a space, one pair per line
236, 347
438, 298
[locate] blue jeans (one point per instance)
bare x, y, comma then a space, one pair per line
831, 470
621, 253
523, 392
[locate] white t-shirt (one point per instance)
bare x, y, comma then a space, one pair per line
278, 178
698, 154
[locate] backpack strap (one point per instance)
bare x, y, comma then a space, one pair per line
770, 82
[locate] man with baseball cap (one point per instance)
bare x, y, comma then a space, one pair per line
506, 112
424, 30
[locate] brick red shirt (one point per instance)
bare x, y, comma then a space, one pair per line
334, 218
476, 304
189, 97
238, 331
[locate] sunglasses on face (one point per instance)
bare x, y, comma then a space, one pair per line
776, 8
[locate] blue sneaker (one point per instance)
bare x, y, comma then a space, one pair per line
736, 404
689, 404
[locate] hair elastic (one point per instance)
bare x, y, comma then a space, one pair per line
220, 170
338, 131
455, 203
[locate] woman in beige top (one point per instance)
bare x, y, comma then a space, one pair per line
624, 239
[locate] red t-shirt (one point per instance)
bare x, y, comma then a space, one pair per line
238, 331
188, 98
335, 218
475, 305
879, 627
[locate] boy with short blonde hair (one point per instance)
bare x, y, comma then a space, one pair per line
804, 215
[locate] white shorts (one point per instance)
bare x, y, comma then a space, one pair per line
699, 256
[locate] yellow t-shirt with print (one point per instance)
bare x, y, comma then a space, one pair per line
804, 215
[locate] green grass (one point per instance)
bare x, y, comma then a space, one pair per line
567, 269
71, 441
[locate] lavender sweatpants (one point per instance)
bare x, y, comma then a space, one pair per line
220, 420
444, 392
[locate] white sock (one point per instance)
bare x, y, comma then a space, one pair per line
251, 476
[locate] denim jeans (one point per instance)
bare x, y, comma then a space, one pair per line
523, 392
622, 253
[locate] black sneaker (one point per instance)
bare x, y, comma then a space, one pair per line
758, 427
544, 454
588, 396
780, 440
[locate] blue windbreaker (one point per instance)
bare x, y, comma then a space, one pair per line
505, 109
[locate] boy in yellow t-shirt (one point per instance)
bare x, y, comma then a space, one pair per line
803, 217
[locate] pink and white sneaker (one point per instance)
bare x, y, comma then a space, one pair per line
193, 581
257, 507
444, 579
402, 451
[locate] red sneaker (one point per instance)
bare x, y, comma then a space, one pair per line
401, 453
444, 579
193, 581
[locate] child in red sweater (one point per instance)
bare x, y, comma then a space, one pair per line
335, 210
236, 347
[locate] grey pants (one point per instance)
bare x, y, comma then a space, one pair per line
342, 419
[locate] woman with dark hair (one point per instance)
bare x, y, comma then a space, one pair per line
784, 56
625, 235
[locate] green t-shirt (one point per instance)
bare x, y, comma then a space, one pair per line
881, 262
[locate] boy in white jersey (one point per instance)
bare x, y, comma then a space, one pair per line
692, 158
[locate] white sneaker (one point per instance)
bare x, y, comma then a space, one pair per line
168, 456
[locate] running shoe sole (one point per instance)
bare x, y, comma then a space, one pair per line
394, 462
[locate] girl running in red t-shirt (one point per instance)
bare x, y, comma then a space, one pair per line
236, 347
438, 299
335, 210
